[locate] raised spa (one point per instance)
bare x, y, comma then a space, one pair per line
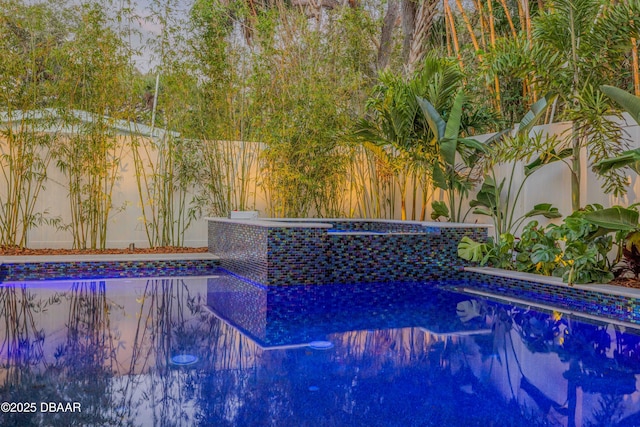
320, 251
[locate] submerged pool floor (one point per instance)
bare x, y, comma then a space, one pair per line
218, 351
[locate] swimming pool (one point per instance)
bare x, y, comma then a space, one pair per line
217, 350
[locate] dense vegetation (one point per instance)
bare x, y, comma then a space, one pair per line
343, 107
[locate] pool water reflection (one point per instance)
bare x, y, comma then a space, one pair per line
220, 351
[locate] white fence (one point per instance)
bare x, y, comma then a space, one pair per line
551, 184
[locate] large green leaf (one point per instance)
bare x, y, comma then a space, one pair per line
544, 209
487, 195
448, 149
434, 120
440, 209
538, 109
614, 218
452, 129
629, 102
546, 158
439, 177
471, 250
473, 144
629, 158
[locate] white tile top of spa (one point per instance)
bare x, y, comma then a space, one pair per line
326, 222
274, 222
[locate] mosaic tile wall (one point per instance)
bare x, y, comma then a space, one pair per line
104, 269
384, 227
270, 255
397, 257
242, 248
239, 302
299, 256
626, 309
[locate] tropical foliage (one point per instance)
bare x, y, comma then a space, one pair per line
319, 108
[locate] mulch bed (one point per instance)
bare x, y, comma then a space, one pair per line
626, 282
16, 251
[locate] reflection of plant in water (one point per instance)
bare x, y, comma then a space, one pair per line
391, 376
21, 351
163, 331
602, 359
74, 375
88, 355
22, 342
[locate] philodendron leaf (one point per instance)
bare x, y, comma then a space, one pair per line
440, 209
614, 218
439, 177
471, 250
487, 195
544, 209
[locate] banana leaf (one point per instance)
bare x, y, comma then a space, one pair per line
439, 177
544, 209
434, 120
615, 218
538, 109
629, 102
545, 159
629, 158
452, 129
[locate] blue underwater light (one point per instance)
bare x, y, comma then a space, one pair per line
184, 359
320, 345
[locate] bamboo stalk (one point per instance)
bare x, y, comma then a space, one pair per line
454, 33
507, 12
492, 34
635, 66
527, 18
467, 23
481, 20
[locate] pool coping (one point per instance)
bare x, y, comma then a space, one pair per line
181, 256
556, 281
326, 222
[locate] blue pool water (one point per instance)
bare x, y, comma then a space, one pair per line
219, 351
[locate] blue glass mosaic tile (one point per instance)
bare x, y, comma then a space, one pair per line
389, 251
104, 269
617, 307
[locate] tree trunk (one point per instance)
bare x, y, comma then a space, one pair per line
422, 29
386, 37
409, 10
